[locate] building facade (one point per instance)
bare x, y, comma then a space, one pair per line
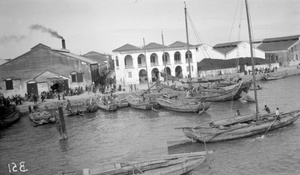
42, 67
134, 65
284, 50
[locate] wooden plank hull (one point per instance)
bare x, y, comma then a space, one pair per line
243, 128
183, 106
9, 119
170, 165
269, 78
139, 104
108, 107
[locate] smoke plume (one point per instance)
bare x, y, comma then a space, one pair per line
7, 39
44, 29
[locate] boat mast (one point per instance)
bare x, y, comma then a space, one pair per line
252, 61
146, 62
187, 41
166, 72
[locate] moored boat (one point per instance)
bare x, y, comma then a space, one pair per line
274, 77
240, 127
171, 165
138, 103
9, 118
106, 105
183, 105
42, 118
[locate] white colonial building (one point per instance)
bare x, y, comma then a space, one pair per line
133, 65
238, 49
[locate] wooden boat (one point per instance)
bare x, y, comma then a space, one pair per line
9, 118
239, 127
242, 126
91, 106
183, 105
169, 165
139, 103
121, 103
220, 94
42, 118
274, 77
108, 106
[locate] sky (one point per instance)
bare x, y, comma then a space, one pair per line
105, 25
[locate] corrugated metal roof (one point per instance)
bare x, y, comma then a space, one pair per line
231, 44
285, 38
87, 60
277, 46
127, 47
98, 57
226, 47
225, 50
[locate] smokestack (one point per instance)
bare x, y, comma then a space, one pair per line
63, 44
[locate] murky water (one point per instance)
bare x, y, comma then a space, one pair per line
130, 134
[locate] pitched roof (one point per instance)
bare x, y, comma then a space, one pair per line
285, 38
153, 45
42, 77
98, 57
226, 47
177, 44
2, 61
81, 58
212, 64
277, 46
127, 47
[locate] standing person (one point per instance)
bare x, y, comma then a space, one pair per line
238, 113
267, 109
277, 114
35, 99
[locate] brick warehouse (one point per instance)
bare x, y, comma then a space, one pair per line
37, 70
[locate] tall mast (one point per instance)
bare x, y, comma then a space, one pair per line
146, 63
187, 41
166, 72
251, 52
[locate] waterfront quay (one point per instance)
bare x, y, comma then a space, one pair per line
80, 100
130, 135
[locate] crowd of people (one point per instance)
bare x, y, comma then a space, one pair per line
8, 101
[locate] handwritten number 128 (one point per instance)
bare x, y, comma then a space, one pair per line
13, 167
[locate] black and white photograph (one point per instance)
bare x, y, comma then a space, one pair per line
150, 87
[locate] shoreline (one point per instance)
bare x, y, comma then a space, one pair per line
80, 100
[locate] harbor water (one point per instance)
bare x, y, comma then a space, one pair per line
131, 135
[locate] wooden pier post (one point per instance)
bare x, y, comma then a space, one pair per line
62, 125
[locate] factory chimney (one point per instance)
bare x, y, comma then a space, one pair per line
63, 43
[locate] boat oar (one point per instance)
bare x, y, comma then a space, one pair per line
271, 125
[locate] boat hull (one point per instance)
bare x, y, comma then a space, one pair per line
209, 134
183, 106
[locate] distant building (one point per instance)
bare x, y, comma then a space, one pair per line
42, 67
134, 64
284, 50
238, 49
104, 60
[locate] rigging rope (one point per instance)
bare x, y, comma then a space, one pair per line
197, 36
